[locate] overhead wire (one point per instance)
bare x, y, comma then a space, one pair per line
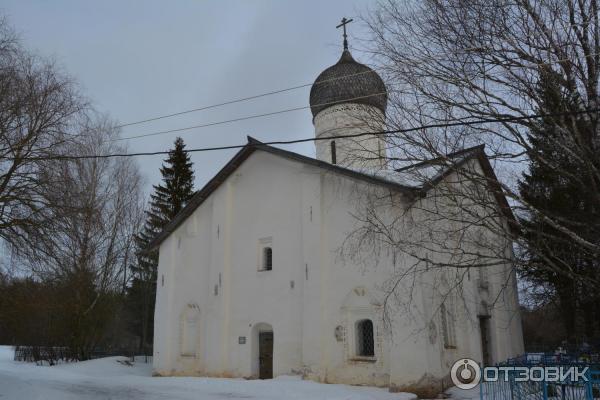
242, 99
278, 91
287, 110
507, 119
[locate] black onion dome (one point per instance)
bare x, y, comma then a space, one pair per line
347, 81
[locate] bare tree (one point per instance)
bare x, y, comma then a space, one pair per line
472, 61
68, 223
94, 208
38, 106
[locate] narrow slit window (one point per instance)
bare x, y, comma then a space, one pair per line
267, 259
447, 326
333, 155
365, 341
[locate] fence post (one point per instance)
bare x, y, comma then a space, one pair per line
589, 390
511, 384
545, 389
481, 389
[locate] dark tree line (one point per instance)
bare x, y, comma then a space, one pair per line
67, 302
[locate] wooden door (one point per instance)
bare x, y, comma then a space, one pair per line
265, 355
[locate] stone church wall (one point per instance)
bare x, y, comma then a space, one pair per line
214, 299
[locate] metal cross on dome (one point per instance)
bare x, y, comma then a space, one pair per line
345, 21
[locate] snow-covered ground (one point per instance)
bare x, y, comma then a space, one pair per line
108, 379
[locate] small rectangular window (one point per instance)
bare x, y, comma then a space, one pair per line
267, 259
265, 254
365, 341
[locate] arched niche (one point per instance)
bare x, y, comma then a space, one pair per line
189, 335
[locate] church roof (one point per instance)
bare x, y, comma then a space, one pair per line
427, 174
347, 81
400, 180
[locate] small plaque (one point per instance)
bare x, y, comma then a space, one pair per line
242, 340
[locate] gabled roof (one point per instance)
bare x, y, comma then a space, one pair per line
241, 156
438, 168
397, 183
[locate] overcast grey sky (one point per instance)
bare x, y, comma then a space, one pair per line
139, 59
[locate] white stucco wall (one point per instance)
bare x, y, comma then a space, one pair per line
210, 266
366, 152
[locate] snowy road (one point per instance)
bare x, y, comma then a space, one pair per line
108, 379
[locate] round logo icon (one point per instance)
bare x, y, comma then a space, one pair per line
465, 373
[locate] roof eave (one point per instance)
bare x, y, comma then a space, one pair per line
239, 158
488, 170
201, 195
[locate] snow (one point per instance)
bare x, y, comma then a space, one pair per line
414, 176
107, 378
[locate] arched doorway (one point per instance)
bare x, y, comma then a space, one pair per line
262, 338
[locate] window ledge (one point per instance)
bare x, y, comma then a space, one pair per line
366, 359
449, 347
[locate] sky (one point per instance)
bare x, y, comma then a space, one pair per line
140, 59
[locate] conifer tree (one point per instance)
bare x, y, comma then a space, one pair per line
167, 199
556, 187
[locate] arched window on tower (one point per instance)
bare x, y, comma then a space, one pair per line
365, 340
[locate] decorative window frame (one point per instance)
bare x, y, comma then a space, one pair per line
353, 314
352, 336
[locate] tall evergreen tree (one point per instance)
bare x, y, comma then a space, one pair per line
557, 186
167, 199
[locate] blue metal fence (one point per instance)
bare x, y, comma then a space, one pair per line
509, 387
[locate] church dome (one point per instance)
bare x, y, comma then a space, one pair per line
348, 81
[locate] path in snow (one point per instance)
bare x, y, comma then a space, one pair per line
107, 379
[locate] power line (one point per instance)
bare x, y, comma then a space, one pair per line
472, 50
315, 139
242, 99
287, 110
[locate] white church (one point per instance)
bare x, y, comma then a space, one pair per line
250, 279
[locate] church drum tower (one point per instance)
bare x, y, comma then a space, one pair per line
347, 99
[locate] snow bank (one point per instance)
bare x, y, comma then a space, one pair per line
107, 367
107, 378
